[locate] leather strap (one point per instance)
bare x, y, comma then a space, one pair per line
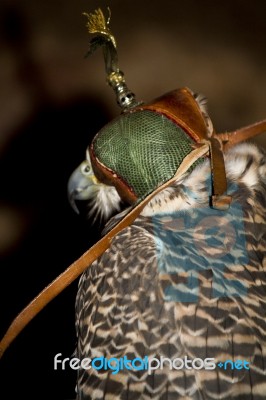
229, 139
78, 266
219, 198
218, 144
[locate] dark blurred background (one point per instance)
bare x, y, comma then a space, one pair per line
53, 101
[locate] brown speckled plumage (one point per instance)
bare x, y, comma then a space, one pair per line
182, 280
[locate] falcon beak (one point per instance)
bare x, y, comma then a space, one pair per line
80, 187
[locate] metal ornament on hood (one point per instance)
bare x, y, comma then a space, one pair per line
143, 147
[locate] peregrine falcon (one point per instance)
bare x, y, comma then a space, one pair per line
183, 283
175, 308
173, 305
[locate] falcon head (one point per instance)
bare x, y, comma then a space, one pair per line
103, 200
138, 151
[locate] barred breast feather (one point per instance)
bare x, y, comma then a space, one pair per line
184, 281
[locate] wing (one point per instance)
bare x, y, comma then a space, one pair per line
186, 289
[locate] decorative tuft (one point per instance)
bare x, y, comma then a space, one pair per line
97, 24
104, 38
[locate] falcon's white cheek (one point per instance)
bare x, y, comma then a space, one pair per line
104, 201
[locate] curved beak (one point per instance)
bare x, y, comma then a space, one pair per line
80, 186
